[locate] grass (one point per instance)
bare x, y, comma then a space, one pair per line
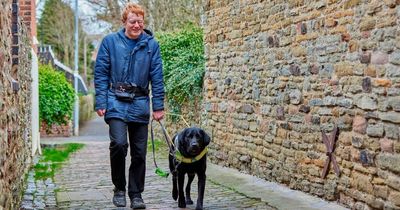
52, 159
160, 147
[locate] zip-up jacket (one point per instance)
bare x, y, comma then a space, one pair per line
116, 62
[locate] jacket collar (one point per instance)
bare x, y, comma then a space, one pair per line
145, 36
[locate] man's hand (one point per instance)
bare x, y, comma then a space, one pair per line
158, 115
101, 112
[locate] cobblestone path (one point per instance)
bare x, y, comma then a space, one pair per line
85, 183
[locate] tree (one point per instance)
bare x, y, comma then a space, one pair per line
161, 15
56, 28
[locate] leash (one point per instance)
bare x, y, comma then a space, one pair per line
179, 115
172, 148
159, 171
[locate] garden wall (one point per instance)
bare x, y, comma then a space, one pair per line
278, 73
15, 104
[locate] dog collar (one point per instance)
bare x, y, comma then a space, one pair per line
183, 159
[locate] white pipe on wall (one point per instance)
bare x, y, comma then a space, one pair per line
35, 105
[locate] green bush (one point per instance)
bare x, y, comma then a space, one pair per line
56, 96
183, 60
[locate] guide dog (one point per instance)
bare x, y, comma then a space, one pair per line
189, 157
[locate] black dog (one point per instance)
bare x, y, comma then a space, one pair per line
189, 157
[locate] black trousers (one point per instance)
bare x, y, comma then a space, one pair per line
138, 134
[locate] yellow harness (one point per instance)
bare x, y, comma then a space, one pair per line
183, 159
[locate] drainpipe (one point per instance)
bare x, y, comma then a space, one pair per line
35, 104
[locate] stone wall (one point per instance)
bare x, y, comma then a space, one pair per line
278, 73
14, 105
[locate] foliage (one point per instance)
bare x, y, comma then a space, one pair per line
52, 159
56, 96
167, 15
183, 59
160, 15
56, 28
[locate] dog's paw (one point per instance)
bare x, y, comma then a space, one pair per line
189, 201
175, 194
181, 204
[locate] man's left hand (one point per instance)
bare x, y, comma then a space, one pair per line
158, 115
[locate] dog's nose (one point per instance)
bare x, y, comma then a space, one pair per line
194, 144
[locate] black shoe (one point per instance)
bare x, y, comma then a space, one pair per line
119, 199
137, 203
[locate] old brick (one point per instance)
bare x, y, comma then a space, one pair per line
353, 46
392, 131
365, 57
330, 22
370, 71
382, 82
374, 7
295, 96
379, 58
314, 69
304, 108
375, 130
367, 24
357, 142
363, 183
343, 69
280, 113
299, 51
351, 3
366, 158
393, 117
294, 70
366, 84
395, 58
366, 102
390, 3
389, 161
359, 124
393, 181
386, 145
394, 197
247, 108
346, 37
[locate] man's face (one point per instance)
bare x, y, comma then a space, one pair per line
134, 25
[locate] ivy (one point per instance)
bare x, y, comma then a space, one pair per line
56, 96
183, 61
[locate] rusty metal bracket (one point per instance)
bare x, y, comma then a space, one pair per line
330, 148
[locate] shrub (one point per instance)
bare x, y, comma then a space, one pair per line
183, 61
56, 96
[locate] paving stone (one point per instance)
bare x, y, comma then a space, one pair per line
84, 182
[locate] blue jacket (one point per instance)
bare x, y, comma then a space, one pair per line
114, 61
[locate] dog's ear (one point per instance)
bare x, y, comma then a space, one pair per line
206, 137
182, 135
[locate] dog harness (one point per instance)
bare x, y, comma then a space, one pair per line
179, 157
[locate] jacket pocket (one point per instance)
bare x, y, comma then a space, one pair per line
140, 108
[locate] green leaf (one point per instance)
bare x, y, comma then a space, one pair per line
183, 60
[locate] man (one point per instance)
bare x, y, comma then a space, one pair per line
127, 62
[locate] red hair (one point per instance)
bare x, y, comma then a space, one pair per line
132, 8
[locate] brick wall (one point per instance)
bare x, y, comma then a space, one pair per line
28, 13
14, 104
278, 73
